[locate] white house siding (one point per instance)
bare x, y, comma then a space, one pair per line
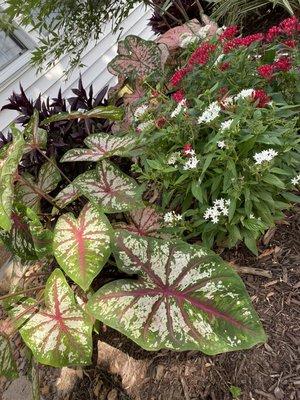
95, 59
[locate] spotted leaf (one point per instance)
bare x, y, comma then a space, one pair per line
136, 58
185, 298
82, 246
101, 145
109, 187
8, 366
42, 237
8, 166
61, 333
69, 194
145, 222
25, 193
109, 112
49, 177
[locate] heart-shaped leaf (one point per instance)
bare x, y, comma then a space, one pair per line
108, 112
109, 187
8, 366
186, 298
145, 222
136, 58
69, 194
61, 333
101, 145
8, 166
19, 240
82, 247
49, 177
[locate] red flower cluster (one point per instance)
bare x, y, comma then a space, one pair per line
284, 63
290, 26
229, 33
186, 150
272, 33
178, 96
202, 54
224, 66
290, 43
261, 97
179, 75
243, 41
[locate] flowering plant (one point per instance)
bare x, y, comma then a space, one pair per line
222, 136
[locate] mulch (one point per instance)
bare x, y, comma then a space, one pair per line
270, 371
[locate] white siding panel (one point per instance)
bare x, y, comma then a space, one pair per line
95, 58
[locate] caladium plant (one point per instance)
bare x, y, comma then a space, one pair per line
61, 333
7, 363
185, 298
82, 246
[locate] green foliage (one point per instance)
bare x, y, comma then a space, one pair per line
7, 363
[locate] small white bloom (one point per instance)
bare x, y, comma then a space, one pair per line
251, 216
220, 207
221, 144
187, 38
226, 125
296, 180
191, 163
203, 32
264, 156
140, 111
220, 30
244, 94
211, 113
171, 218
180, 107
228, 101
190, 152
173, 158
143, 126
219, 59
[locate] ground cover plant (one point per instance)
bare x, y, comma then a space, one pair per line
225, 162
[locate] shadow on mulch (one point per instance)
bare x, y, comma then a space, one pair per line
270, 371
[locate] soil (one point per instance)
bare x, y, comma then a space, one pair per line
270, 371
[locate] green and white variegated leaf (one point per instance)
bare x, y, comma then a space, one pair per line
19, 239
186, 298
25, 194
8, 366
20, 310
102, 145
61, 333
109, 187
82, 247
108, 112
69, 194
49, 177
42, 237
8, 167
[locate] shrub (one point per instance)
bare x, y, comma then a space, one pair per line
222, 140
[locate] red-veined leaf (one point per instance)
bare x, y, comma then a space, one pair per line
101, 145
49, 177
25, 193
145, 222
69, 194
82, 247
186, 298
136, 58
61, 333
8, 366
109, 187
8, 166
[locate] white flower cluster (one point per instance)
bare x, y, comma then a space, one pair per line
188, 38
180, 107
264, 156
296, 180
143, 126
173, 158
244, 94
140, 111
219, 208
191, 163
211, 113
171, 218
226, 125
221, 144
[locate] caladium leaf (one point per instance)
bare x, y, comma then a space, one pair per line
66, 196
109, 187
8, 366
186, 298
101, 145
49, 177
136, 58
61, 333
145, 222
36, 137
42, 237
8, 167
82, 247
19, 239
108, 112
